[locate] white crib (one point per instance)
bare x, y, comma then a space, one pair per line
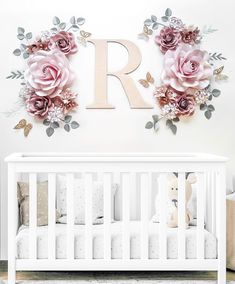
130, 171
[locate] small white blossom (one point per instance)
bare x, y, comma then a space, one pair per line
169, 111
25, 92
55, 114
176, 23
202, 96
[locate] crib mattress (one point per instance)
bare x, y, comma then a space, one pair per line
116, 242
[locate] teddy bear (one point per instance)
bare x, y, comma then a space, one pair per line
173, 196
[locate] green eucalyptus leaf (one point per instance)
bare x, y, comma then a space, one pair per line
211, 108
29, 35
155, 117
25, 55
50, 131
74, 124
176, 119
173, 128
149, 125
216, 93
56, 21
203, 106
46, 122
208, 114
17, 52
67, 127
73, 20
80, 21
75, 28
67, 118
168, 12
169, 123
153, 18
55, 124
165, 19
62, 26
148, 22
54, 30
20, 36
155, 26
20, 30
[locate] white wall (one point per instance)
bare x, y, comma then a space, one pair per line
121, 129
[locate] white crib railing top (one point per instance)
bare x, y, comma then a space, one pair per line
113, 157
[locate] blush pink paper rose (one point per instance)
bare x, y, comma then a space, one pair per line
64, 41
186, 67
38, 106
48, 73
168, 39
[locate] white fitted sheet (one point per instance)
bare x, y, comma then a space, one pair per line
116, 242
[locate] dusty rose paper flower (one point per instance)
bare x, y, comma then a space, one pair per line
68, 98
186, 67
48, 73
165, 95
38, 106
190, 35
185, 105
64, 41
168, 39
36, 46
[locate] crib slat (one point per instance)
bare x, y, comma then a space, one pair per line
213, 201
107, 215
32, 215
126, 215
181, 215
162, 226
70, 215
51, 215
88, 216
201, 190
145, 189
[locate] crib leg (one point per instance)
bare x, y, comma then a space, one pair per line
11, 272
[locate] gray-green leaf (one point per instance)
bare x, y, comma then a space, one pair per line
80, 21
55, 124
173, 128
155, 26
208, 114
73, 20
29, 35
56, 21
168, 12
46, 122
169, 123
165, 19
155, 117
176, 119
75, 28
67, 127
20, 36
62, 26
156, 126
67, 118
211, 108
50, 131
216, 93
74, 124
17, 52
20, 30
203, 106
149, 125
153, 18
25, 55
148, 22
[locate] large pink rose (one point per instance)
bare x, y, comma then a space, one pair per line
48, 72
38, 106
64, 41
186, 67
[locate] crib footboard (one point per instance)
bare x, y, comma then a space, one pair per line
139, 173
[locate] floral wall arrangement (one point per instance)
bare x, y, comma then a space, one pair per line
189, 72
46, 82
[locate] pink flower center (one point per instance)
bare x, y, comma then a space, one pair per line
190, 67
